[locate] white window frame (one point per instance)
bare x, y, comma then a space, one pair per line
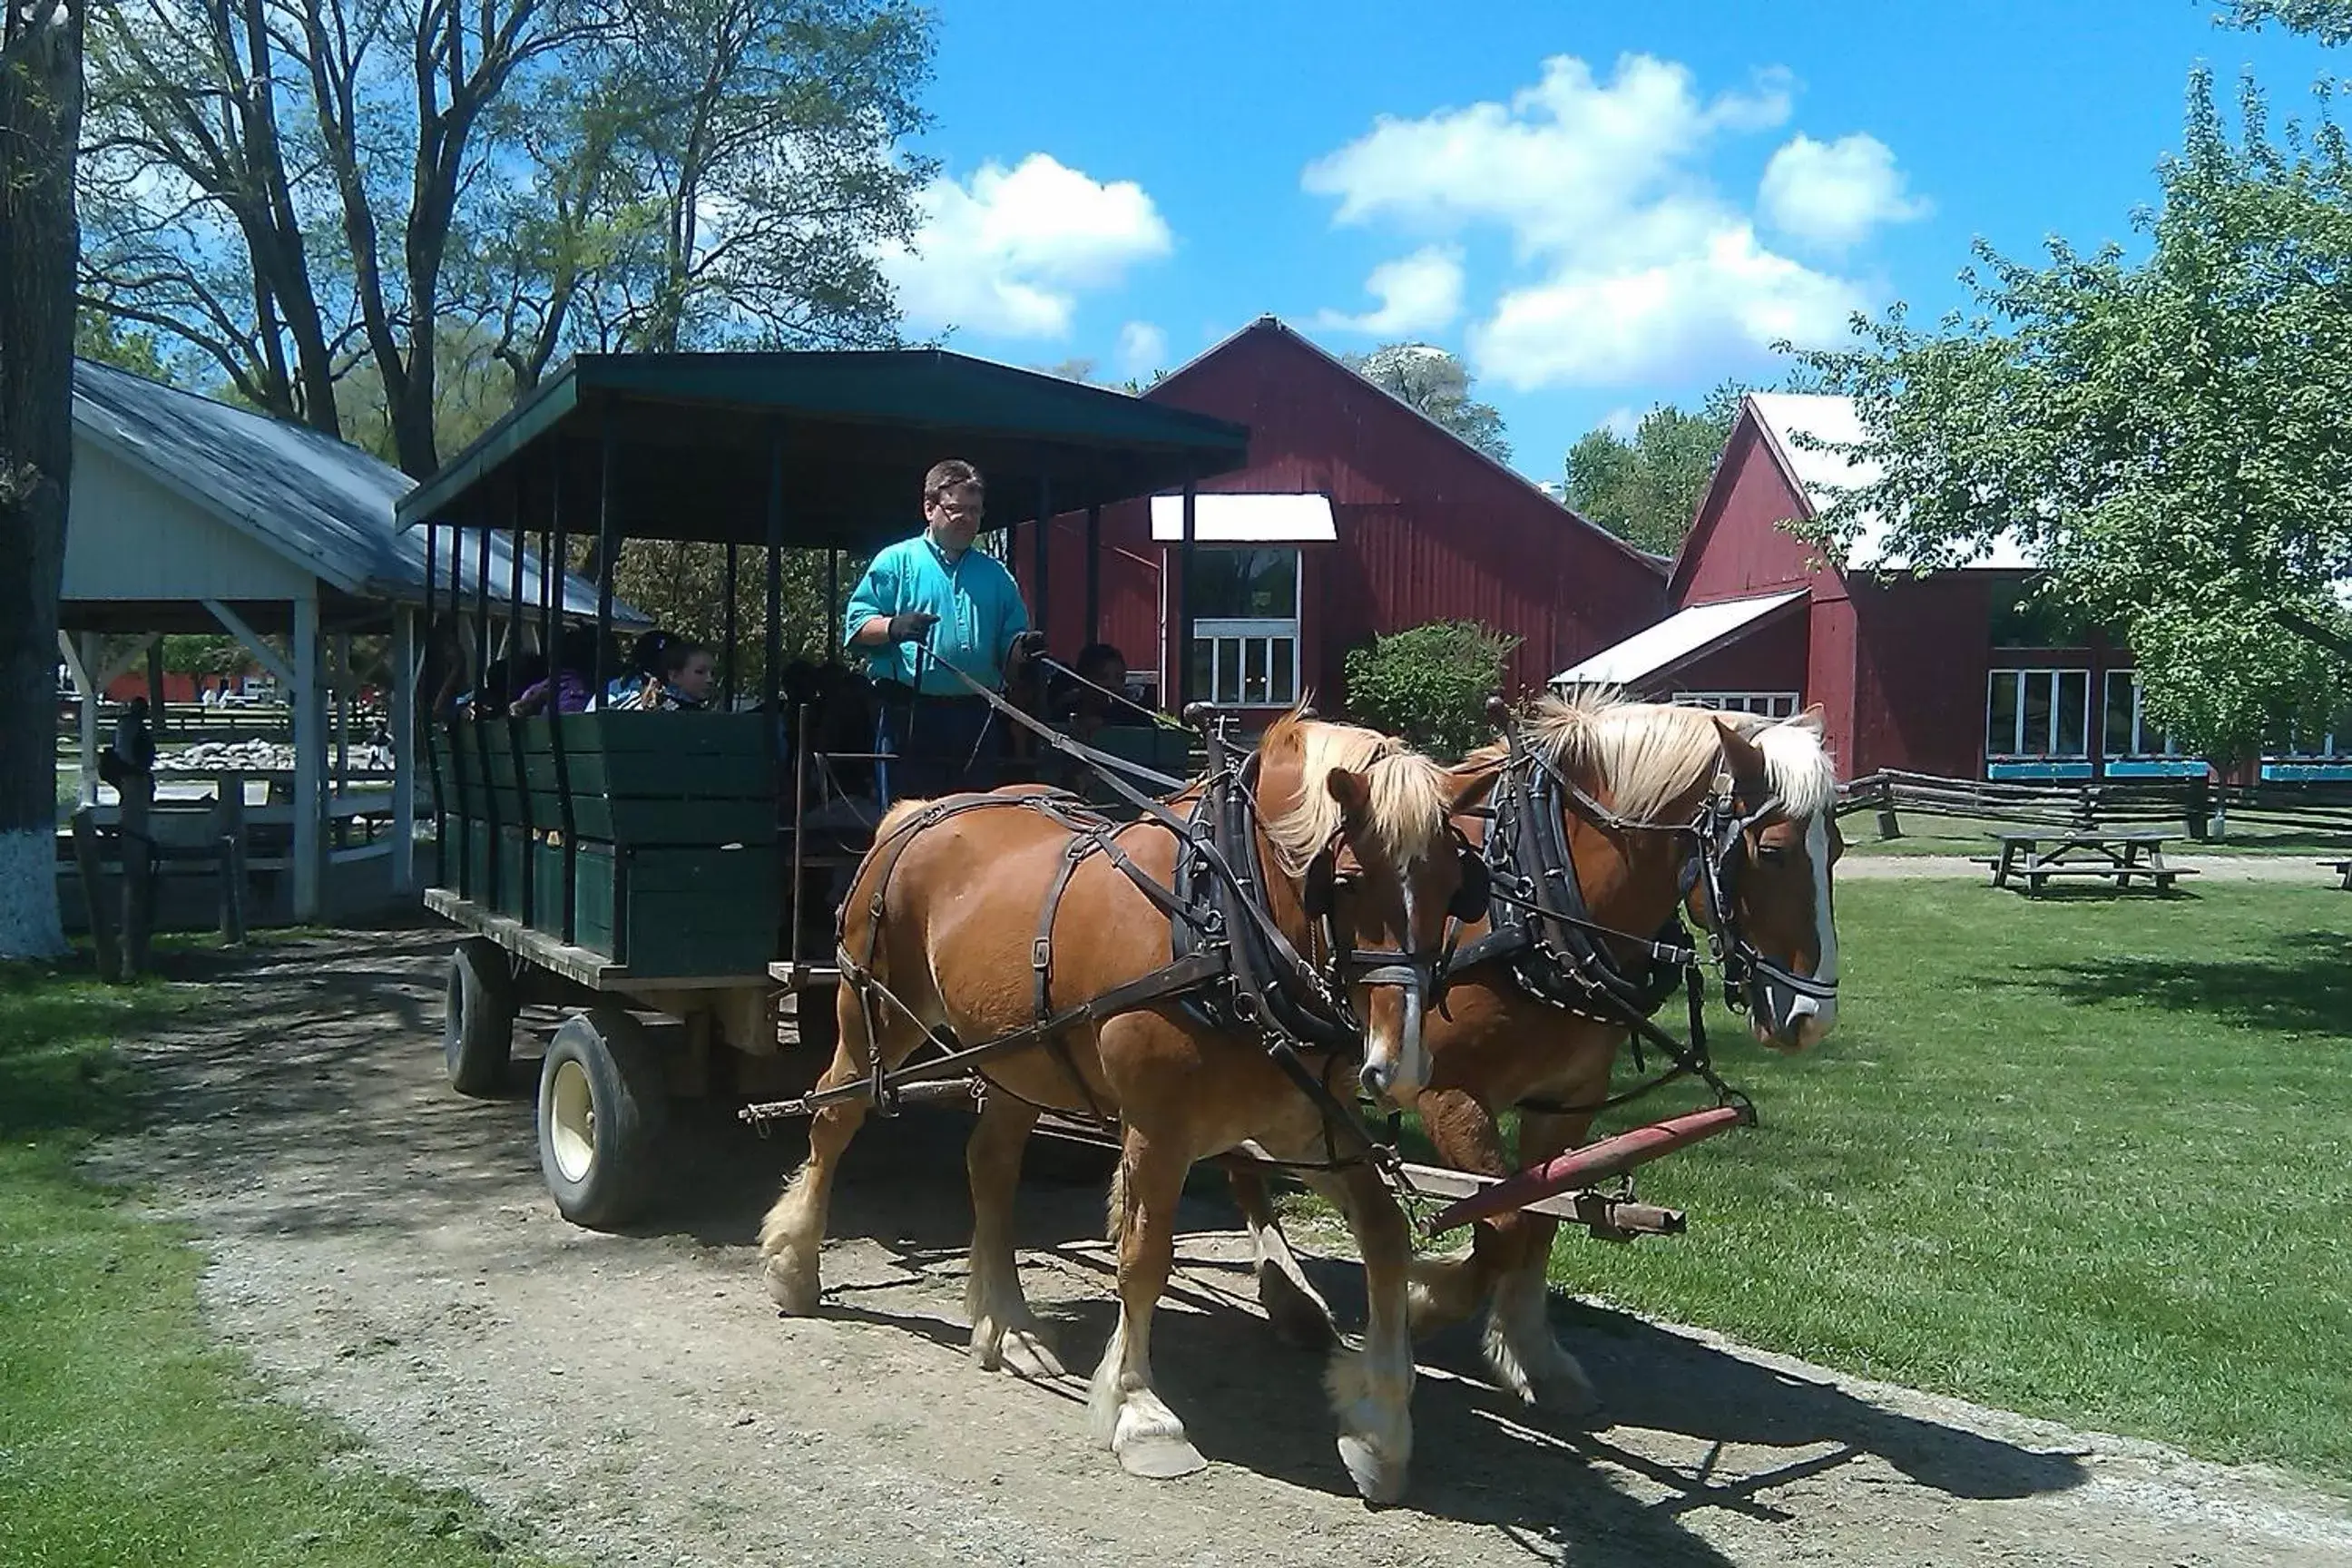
2018, 753
1244, 630
2138, 750
1764, 704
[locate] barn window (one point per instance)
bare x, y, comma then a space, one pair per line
1767, 704
1244, 608
2037, 713
2130, 733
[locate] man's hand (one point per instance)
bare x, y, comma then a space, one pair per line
1025, 646
911, 625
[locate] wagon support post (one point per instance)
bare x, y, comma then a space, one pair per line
1093, 573
775, 645
1179, 589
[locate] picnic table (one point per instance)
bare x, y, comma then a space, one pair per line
2028, 859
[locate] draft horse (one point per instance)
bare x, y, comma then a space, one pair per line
1017, 916
1598, 822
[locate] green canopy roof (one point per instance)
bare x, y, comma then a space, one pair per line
693, 438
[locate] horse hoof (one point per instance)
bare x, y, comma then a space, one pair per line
1379, 1478
1025, 1354
1158, 1457
793, 1287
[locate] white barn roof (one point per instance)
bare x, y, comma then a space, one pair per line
1677, 639
1825, 477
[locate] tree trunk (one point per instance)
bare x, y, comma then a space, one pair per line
40, 128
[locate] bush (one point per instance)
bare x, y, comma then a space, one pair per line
1430, 684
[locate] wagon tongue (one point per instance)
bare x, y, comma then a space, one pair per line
1594, 1163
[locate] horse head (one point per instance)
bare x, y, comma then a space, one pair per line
1728, 814
1358, 822
1777, 843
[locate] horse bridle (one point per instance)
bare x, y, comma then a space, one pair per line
1718, 835
1401, 967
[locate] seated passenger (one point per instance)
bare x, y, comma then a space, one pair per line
1084, 706
575, 664
678, 680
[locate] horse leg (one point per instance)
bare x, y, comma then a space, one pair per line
794, 1228
1520, 1349
1003, 1332
1447, 1290
1300, 1317
1372, 1389
1125, 1415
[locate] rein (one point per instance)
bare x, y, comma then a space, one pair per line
1228, 958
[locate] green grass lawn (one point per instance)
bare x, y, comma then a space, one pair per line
126, 1436
2088, 1158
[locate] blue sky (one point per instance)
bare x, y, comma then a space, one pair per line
1600, 205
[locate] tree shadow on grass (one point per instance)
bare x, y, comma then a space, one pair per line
2296, 989
57, 1073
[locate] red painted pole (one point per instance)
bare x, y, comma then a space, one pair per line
1594, 1163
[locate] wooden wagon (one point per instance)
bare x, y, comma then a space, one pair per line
668, 877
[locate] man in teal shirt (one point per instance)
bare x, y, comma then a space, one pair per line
926, 602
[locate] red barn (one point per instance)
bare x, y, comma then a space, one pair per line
1356, 515
1938, 673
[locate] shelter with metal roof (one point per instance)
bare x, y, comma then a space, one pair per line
808, 449
190, 515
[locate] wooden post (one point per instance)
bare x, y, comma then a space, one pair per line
156, 703
93, 890
401, 702
308, 712
1888, 827
138, 854
88, 716
228, 829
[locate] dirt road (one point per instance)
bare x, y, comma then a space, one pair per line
385, 1251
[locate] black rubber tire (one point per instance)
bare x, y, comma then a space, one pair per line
602, 1172
478, 1027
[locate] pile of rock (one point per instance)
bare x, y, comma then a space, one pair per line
207, 756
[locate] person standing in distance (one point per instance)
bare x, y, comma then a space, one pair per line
926, 602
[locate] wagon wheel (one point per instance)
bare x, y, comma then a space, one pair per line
477, 1028
601, 1108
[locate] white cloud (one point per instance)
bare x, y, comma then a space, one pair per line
1621, 421
1142, 348
1634, 267
1561, 155
1685, 313
1010, 253
1835, 193
1417, 293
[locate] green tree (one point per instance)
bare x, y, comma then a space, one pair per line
41, 125
1430, 684
2173, 435
295, 188
98, 336
1438, 384
1645, 489
2329, 21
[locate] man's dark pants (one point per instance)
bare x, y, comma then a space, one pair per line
938, 745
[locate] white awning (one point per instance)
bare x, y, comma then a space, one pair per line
1245, 520
1679, 638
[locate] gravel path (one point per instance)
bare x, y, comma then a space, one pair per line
385, 1251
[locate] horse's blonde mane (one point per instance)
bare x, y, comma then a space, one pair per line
1408, 794
1649, 755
